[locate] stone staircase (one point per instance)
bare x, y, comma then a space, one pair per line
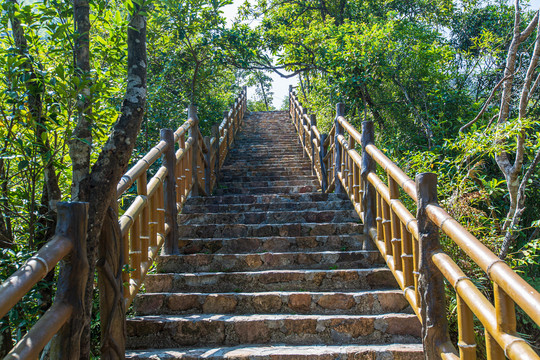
271, 268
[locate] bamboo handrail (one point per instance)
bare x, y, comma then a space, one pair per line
193, 171
69, 239
403, 242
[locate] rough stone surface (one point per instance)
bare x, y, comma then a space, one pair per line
270, 268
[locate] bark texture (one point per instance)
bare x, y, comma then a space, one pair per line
114, 157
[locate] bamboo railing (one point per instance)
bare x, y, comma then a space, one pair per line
129, 243
62, 319
411, 246
150, 222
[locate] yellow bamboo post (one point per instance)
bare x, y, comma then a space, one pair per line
431, 281
387, 228
407, 256
145, 220
216, 162
161, 210
182, 171
207, 166
395, 224
379, 219
126, 275
312, 124
153, 224
467, 342
493, 349
505, 312
135, 249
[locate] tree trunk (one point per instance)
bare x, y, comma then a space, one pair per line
80, 143
114, 157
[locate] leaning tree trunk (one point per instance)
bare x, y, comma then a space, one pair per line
114, 157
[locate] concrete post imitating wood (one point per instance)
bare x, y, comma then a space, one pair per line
170, 246
215, 152
431, 281
207, 166
71, 286
369, 198
312, 123
322, 155
194, 134
302, 126
340, 111
111, 295
227, 128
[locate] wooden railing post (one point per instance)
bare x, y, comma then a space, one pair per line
431, 281
216, 162
194, 134
369, 198
322, 155
340, 111
170, 246
208, 166
302, 125
312, 123
71, 287
227, 132
111, 288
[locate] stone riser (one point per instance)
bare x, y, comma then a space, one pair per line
284, 352
266, 261
270, 217
266, 230
272, 244
223, 179
355, 303
202, 330
268, 190
264, 198
249, 184
273, 280
240, 208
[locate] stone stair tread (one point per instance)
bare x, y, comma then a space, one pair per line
274, 207
270, 217
312, 302
272, 280
263, 198
268, 260
286, 352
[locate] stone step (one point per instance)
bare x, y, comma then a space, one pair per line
247, 185
288, 206
264, 198
265, 230
168, 331
270, 217
273, 244
306, 178
267, 261
287, 352
268, 190
273, 280
263, 172
270, 167
353, 303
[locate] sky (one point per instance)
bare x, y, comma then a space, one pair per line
280, 86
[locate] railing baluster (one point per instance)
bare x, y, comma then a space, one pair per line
194, 135
407, 256
396, 224
467, 342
